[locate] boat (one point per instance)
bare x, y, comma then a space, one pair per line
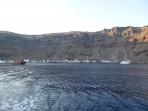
20, 62
125, 61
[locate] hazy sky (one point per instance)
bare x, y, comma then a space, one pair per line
50, 16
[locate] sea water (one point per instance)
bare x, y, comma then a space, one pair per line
74, 87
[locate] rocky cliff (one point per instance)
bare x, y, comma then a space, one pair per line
107, 44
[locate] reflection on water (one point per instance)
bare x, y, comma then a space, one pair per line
74, 87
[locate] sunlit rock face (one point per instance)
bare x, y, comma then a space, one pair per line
107, 44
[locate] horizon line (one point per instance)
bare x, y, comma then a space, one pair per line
70, 31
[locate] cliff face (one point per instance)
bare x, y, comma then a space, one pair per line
135, 34
107, 44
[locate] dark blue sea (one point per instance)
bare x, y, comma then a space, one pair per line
74, 87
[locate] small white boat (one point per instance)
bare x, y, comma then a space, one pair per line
125, 61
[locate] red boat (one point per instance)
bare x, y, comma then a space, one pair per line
20, 62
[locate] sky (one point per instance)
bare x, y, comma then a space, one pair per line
53, 16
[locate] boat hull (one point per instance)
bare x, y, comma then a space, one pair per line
21, 62
125, 62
